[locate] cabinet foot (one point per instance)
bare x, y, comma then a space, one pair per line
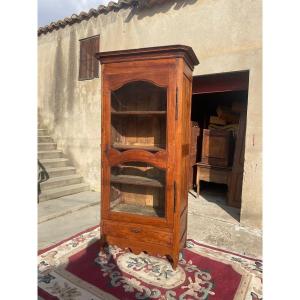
103, 242
173, 261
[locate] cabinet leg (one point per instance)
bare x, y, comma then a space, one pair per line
175, 262
198, 181
103, 242
198, 188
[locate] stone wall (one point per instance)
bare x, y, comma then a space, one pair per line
225, 35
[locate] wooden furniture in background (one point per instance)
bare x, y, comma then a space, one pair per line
145, 143
219, 83
236, 178
216, 147
209, 173
194, 145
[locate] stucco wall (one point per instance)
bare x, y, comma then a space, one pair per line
225, 35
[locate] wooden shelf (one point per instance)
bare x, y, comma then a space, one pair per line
149, 113
135, 180
139, 147
138, 209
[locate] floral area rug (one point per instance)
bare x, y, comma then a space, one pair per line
75, 270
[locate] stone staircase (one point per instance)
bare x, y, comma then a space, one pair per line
63, 179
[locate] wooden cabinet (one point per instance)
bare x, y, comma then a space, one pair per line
211, 173
146, 106
216, 147
236, 179
194, 146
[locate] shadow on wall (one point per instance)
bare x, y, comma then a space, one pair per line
146, 12
64, 78
58, 83
72, 71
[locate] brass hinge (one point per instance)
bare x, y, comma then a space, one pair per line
176, 105
175, 189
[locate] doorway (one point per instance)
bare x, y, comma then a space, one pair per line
218, 126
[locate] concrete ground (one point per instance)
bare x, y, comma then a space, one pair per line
210, 221
66, 216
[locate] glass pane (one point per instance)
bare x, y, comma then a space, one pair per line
137, 188
138, 117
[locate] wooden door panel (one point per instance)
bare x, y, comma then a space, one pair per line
158, 159
124, 148
216, 146
122, 73
236, 178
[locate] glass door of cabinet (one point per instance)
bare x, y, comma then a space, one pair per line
138, 122
137, 188
139, 117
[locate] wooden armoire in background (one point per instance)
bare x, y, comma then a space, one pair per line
216, 147
145, 143
235, 183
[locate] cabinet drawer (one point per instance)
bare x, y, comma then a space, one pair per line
137, 232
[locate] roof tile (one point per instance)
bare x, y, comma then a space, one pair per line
111, 6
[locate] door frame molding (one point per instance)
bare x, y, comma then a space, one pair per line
221, 82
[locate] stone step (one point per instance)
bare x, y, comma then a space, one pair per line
66, 205
54, 162
42, 131
63, 191
45, 139
61, 181
63, 171
47, 146
50, 154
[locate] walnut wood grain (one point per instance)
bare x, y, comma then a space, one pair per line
169, 68
135, 147
158, 159
178, 51
135, 180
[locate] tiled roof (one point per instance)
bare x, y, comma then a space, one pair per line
111, 6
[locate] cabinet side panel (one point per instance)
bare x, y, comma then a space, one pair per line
183, 154
105, 140
185, 141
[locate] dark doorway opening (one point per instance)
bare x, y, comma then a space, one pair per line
218, 124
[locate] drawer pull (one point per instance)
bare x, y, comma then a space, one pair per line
136, 230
